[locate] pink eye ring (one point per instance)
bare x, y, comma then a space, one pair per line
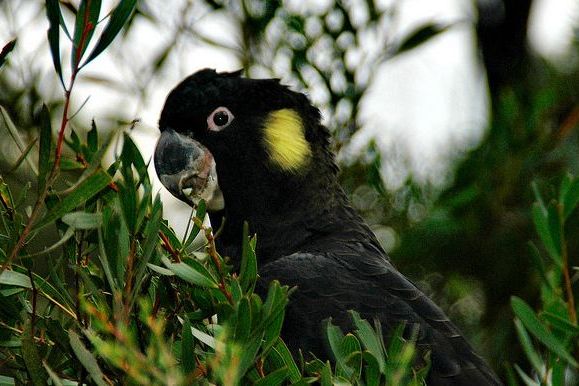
219, 119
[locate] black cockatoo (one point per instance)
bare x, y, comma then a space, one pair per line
257, 152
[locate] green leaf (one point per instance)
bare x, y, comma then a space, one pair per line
44, 148
571, 198
32, 359
6, 50
67, 235
160, 270
335, 338
187, 348
538, 329
526, 379
540, 218
538, 262
243, 325
56, 381
419, 36
282, 350
86, 358
83, 220
274, 378
54, 16
84, 26
188, 274
527, 344
85, 190
200, 215
15, 278
369, 339
248, 268
371, 369
203, 337
561, 324
555, 228
118, 18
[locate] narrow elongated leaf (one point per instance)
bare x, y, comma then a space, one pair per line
67, 235
555, 229
86, 358
274, 378
369, 338
87, 189
118, 18
571, 198
6, 50
45, 146
32, 359
199, 214
54, 16
248, 268
203, 337
187, 348
561, 324
526, 379
419, 37
188, 274
83, 220
85, 23
282, 350
540, 218
538, 329
56, 381
15, 278
527, 344
160, 270
243, 325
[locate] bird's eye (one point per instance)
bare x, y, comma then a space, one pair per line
219, 119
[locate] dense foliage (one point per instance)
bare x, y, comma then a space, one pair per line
96, 287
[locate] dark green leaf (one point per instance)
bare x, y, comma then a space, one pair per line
6, 50
44, 148
187, 348
571, 198
54, 16
538, 262
420, 36
540, 218
92, 138
561, 324
538, 329
84, 26
15, 278
527, 344
188, 274
83, 220
86, 358
32, 359
243, 326
85, 190
248, 268
274, 378
281, 349
200, 215
369, 338
555, 224
118, 18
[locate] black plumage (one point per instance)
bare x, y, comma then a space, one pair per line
309, 235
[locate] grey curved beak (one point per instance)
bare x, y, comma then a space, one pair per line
187, 169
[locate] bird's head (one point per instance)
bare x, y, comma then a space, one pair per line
239, 142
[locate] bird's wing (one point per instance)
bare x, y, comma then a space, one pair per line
331, 284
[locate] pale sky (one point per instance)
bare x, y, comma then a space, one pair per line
426, 104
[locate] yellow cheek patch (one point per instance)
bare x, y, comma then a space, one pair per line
285, 140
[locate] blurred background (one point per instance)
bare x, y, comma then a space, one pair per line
445, 115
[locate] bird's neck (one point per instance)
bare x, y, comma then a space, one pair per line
289, 219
